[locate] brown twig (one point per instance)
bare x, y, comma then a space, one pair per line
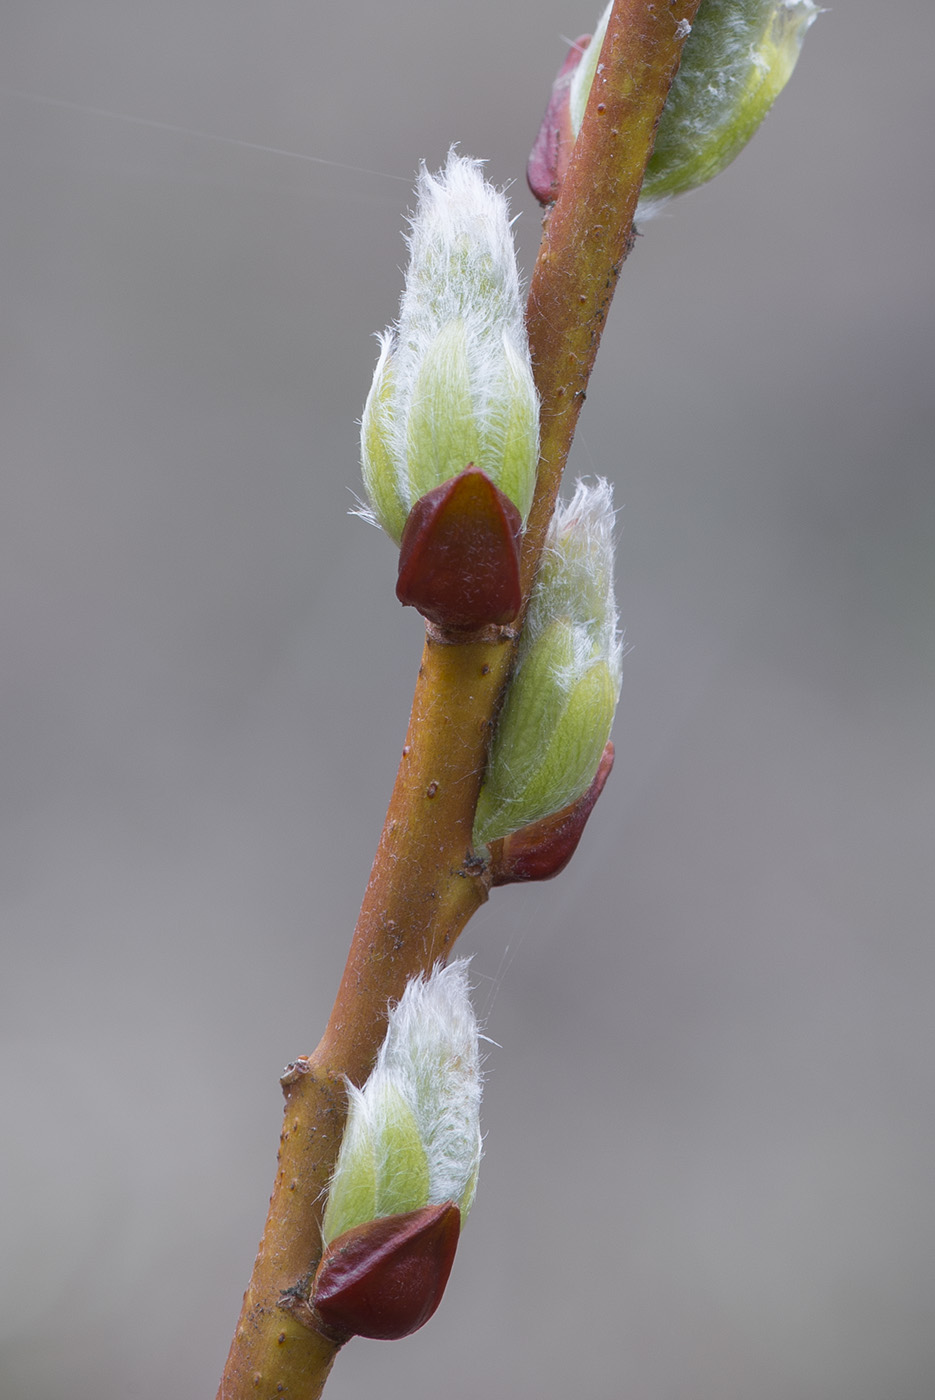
426, 881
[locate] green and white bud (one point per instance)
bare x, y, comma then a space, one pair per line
560, 704
412, 1137
737, 59
453, 384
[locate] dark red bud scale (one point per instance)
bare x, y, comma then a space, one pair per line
544, 848
551, 153
385, 1279
459, 554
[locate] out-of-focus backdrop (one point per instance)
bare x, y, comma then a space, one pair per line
710, 1139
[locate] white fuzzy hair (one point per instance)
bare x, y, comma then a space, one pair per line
560, 703
462, 271
430, 1058
578, 579
460, 239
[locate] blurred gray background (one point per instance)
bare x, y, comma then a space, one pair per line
710, 1117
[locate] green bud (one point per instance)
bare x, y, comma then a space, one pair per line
560, 703
453, 385
412, 1137
737, 59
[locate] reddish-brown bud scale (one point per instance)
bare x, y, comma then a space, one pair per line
544, 848
555, 142
385, 1279
459, 554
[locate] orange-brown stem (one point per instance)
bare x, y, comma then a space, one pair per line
425, 885
426, 882
589, 230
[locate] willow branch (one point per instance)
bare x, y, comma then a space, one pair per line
589, 231
426, 881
